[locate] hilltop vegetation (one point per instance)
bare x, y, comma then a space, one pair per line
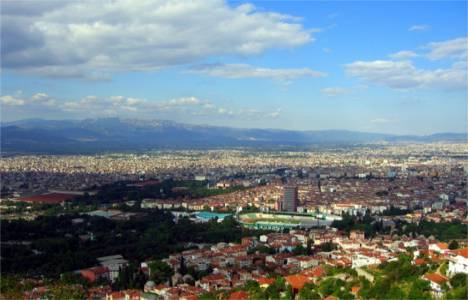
397, 279
51, 245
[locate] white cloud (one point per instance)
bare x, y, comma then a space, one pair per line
236, 71
334, 91
9, 100
455, 48
403, 74
184, 101
129, 106
419, 27
274, 114
242, 114
382, 121
405, 54
41, 99
94, 39
44, 99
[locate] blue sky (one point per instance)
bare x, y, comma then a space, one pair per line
393, 67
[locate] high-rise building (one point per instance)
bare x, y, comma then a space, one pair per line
279, 205
290, 198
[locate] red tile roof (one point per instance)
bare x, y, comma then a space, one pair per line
436, 277
117, 295
419, 261
212, 277
92, 274
264, 280
239, 295
297, 281
147, 183
315, 272
355, 289
463, 252
443, 246
52, 198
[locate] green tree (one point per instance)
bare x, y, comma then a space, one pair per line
73, 278
379, 289
66, 292
252, 286
160, 271
11, 288
125, 278
257, 296
309, 292
299, 250
264, 249
208, 296
275, 289
420, 289
288, 293
329, 286
459, 280
460, 293
443, 267
395, 293
453, 245
327, 247
183, 267
310, 244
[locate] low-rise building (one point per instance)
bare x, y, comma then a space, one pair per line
458, 262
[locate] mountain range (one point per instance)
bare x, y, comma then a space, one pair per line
38, 136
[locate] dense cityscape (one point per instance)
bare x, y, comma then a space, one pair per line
371, 221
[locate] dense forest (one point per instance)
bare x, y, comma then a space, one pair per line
166, 189
50, 245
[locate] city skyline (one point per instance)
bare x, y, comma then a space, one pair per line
389, 67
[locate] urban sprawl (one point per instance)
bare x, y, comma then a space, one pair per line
382, 221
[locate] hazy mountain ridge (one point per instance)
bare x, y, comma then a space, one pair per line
114, 134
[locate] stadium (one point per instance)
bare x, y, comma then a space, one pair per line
280, 221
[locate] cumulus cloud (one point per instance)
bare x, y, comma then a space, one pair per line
9, 100
243, 113
403, 74
334, 91
274, 114
44, 99
455, 48
236, 71
405, 54
94, 39
41, 99
382, 121
121, 105
183, 102
419, 27
130, 104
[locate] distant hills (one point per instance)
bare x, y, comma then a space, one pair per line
113, 134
